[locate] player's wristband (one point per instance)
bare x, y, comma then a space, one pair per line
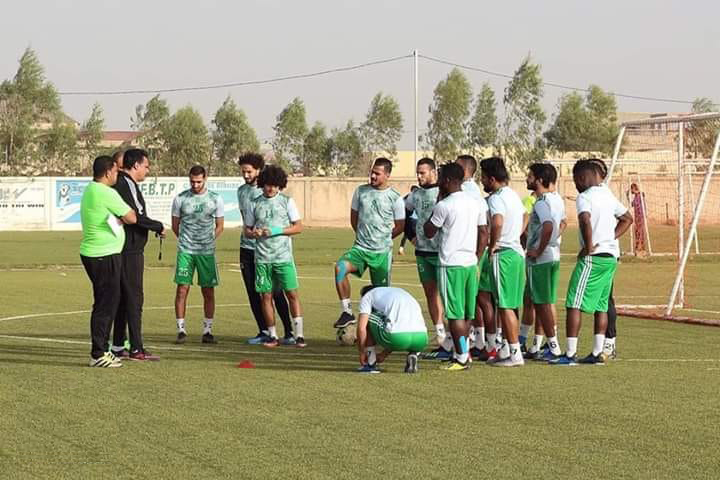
276, 231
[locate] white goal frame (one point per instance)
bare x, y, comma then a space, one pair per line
677, 294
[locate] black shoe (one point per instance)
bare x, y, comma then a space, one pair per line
181, 338
411, 363
344, 320
592, 360
208, 338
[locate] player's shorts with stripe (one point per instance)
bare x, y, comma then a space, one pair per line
590, 283
427, 267
399, 341
485, 284
379, 264
508, 273
542, 282
458, 289
275, 276
187, 263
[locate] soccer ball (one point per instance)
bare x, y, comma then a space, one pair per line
347, 335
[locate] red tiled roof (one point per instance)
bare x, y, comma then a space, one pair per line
120, 136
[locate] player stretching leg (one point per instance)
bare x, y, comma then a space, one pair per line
464, 234
377, 215
392, 318
272, 220
602, 220
508, 219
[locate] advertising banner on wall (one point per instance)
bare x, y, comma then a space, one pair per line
24, 204
159, 193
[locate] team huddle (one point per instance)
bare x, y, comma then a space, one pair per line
479, 260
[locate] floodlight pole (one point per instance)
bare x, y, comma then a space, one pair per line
693, 227
616, 152
415, 87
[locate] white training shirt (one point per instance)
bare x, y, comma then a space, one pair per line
458, 216
507, 203
550, 207
401, 310
604, 209
469, 186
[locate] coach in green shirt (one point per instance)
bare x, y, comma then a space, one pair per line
102, 213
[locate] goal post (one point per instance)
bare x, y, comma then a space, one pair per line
665, 166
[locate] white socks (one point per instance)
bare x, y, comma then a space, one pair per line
207, 325
537, 342
571, 346
345, 304
598, 343
490, 339
554, 346
272, 331
371, 356
440, 333
514, 352
298, 324
180, 325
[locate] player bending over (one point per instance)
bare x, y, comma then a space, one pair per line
602, 219
273, 218
392, 318
377, 215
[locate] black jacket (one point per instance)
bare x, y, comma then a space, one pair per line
135, 235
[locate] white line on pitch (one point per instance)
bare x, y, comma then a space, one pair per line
278, 351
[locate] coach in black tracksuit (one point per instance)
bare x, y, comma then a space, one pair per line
135, 168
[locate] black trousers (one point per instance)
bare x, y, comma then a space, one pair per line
612, 316
129, 312
104, 274
247, 266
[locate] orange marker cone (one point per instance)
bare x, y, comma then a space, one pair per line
246, 364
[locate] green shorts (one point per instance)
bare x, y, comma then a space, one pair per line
458, 290
590, 284
402, 341
206, 267
379, 264
542, 282
508, 273
275, 276
427, 268
485, 284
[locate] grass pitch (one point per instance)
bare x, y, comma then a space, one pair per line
304, 413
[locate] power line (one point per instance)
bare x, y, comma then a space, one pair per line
553, 84
242, 83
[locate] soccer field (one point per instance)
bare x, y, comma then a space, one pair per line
653, 413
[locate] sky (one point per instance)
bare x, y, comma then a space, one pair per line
663, 49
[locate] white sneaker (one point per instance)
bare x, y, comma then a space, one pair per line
509, 362
108, 360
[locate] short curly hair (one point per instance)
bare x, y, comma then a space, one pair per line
255, 160
272, 175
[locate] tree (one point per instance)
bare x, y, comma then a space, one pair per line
449, 112
383, 125
482, 130
186, 140
27, 103
91, 134
316, 158
232, 135
700, 136
522, 142
58, 145
290, 132
151, 120
585, 124
346, 151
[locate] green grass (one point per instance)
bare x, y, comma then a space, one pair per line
304, 414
